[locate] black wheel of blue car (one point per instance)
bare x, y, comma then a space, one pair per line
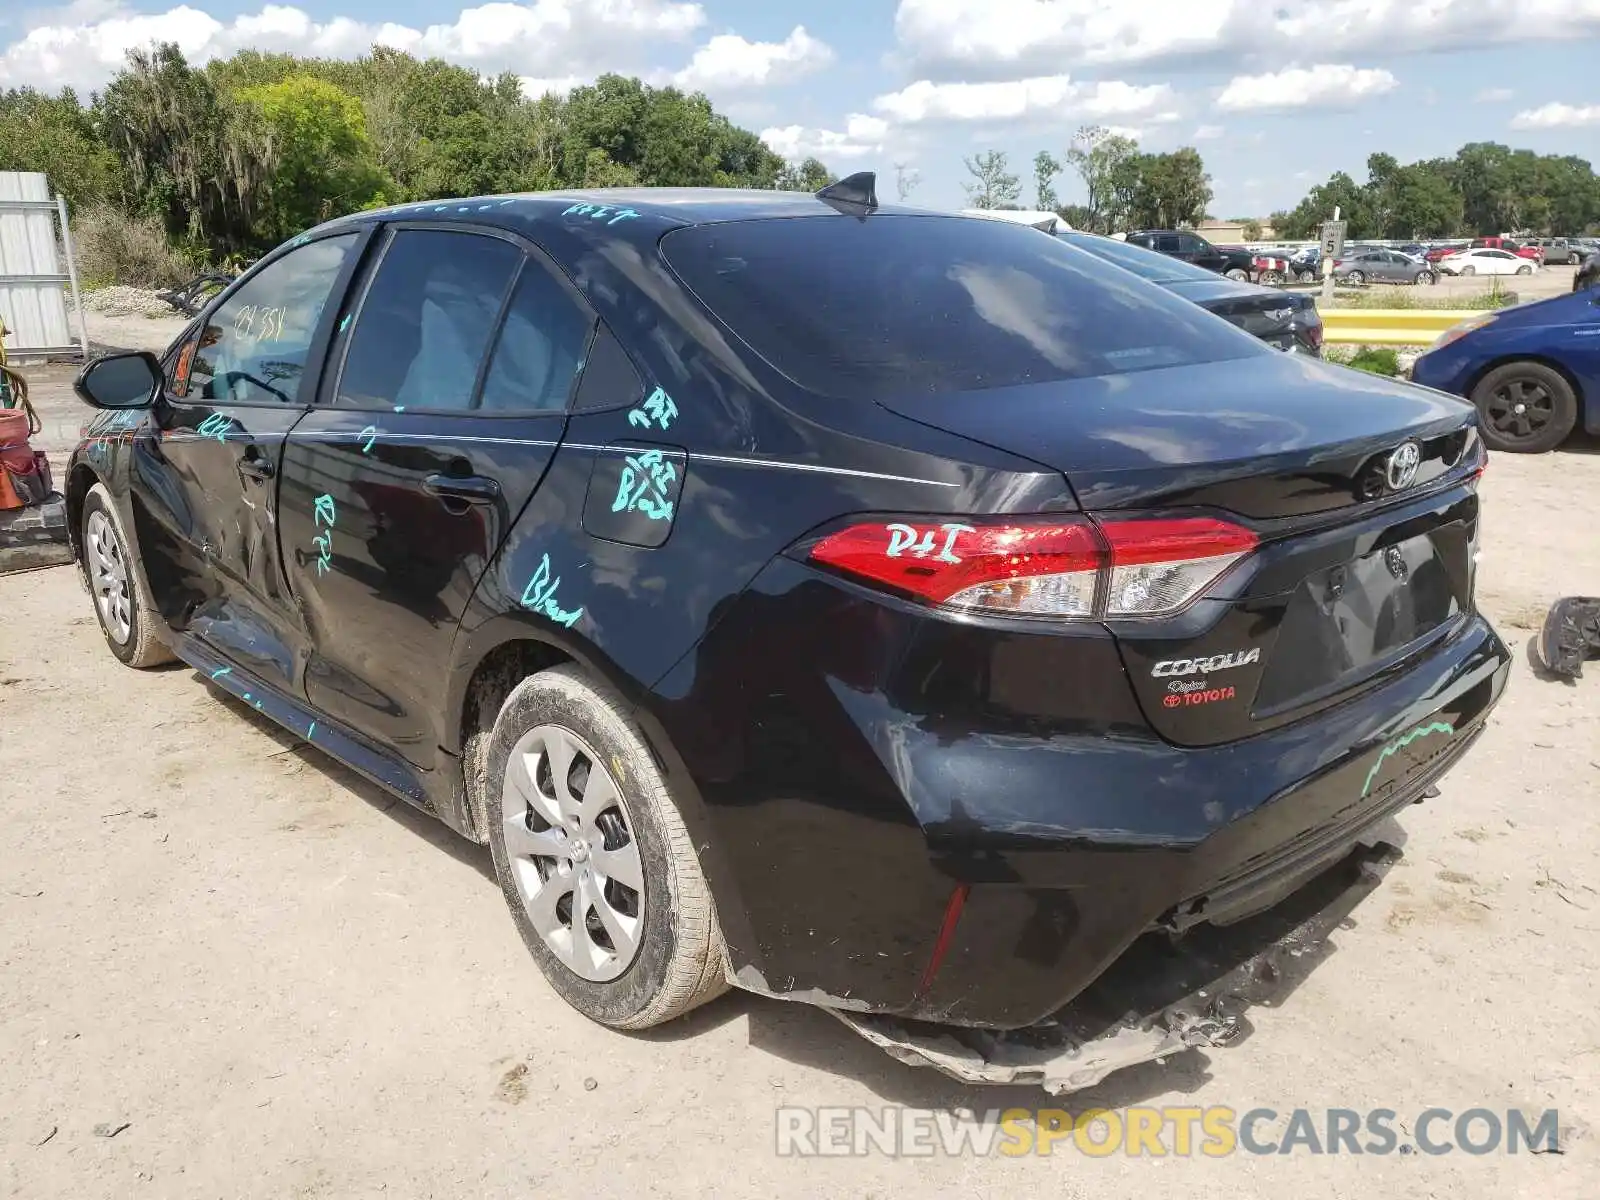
1525, 408
594, 860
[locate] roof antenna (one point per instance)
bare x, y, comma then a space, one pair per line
852, 192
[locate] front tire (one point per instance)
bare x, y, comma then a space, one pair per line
1525, 408
593, 858
1524, 270
122, 603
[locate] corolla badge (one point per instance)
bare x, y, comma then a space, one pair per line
1400, 471
1204, 666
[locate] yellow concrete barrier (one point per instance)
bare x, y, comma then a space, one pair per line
1388, 326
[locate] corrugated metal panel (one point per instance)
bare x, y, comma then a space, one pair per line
33, 276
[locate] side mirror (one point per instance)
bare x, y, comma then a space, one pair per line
120, 381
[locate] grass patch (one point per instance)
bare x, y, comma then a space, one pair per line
1379, 360
1422, 297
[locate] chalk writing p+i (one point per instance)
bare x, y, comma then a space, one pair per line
908, 539
646, 473
322, 513
540, 596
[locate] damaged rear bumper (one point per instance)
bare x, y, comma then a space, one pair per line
1162, 996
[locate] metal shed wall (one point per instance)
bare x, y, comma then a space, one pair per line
33, 278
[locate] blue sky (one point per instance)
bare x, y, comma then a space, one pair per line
1275, 97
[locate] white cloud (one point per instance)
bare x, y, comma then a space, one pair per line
1049, 96
1326, 85
728, 62
947, 39
1557, 116
861, 136
542, 39
1494, 95
534, 88
1208, 133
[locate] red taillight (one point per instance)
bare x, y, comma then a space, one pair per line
1045, 568
1062, 567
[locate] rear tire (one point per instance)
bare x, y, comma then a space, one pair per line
1426, 279
1271, 278
1525, 408
1469, 270
122, 602
1308, 277
577, 809
1574, 259
1355, 278
1237, 274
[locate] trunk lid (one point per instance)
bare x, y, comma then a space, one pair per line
1263, 312
1354, 577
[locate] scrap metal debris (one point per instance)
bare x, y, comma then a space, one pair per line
1571, 634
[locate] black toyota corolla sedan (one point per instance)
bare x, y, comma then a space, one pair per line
899, 612
1284, 320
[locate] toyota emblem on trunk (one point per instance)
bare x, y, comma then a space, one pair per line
1401, 470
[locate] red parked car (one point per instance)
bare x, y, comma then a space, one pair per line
1517, 248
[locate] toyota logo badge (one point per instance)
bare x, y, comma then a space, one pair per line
1400, 471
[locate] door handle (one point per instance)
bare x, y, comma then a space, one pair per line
256, 467
468, 489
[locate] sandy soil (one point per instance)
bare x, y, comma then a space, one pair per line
287, 984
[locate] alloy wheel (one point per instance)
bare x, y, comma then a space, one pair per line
1520, 409
108, 577
573, 853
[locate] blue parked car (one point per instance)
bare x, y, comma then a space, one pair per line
1533, 371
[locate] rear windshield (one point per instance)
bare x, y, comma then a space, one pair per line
1147, 264
903, 305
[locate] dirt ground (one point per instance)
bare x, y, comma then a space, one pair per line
287, 984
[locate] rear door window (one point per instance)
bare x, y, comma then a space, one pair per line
540, 347
425, 324
903, 305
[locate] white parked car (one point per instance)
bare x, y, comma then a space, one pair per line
1486, 262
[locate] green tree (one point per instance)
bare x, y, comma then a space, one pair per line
993, 186
1103, 160
1252, 230
1045, 170
1169, 189
808, 176
190, 155
1342, 192
324, 164
56, 135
